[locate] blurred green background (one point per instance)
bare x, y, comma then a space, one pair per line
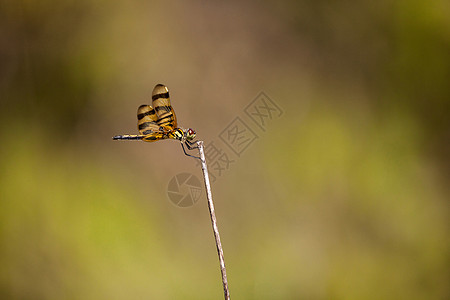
345, 196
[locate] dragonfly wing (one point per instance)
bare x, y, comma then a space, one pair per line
147, 120
161, 102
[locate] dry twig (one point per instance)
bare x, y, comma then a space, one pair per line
214, 220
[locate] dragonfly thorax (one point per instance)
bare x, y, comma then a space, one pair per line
178, 134
183, 134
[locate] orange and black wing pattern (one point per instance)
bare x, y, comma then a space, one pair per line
155, 123
164, 111
147, 120
147, 124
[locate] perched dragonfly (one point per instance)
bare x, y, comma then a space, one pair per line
160, 122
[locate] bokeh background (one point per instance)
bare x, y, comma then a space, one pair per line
345, 196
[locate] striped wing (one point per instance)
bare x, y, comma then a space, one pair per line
164, 111
147, 120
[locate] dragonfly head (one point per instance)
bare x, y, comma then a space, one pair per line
190, 134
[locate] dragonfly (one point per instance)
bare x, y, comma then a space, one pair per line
160, 122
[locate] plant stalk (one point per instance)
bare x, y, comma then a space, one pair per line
213, 220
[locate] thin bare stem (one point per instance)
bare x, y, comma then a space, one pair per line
214, 220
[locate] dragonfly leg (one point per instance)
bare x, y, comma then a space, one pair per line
184, 150
189, 145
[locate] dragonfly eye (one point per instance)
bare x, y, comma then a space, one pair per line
190, 134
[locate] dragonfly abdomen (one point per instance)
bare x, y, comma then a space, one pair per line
128, 137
